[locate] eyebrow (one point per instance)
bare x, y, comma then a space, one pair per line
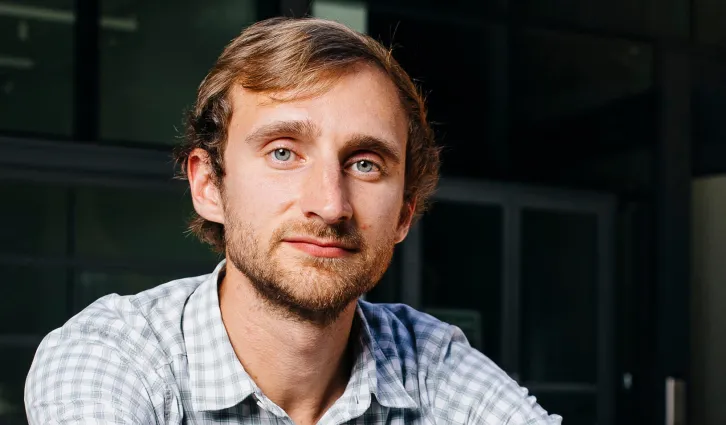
298, 128
364, 142
306, 129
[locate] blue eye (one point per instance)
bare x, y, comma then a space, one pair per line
282, 154
365, 166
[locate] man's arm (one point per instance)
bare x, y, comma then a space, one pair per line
474, 390
79, 378
512, 406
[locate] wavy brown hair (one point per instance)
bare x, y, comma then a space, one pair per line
300, 57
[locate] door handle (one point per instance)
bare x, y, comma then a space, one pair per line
675, 392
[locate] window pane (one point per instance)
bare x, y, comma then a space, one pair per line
628, 16
36, 66
135, 224
15, 366
462, 276
350, 13
92, 285
559, 296
32, 299
151, 67
35, 218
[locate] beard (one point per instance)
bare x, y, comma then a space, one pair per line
301, 286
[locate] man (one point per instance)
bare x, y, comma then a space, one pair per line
308, 157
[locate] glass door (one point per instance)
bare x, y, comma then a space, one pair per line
563, 334
462, 271
527, 274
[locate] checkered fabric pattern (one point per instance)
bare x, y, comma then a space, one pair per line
163, 357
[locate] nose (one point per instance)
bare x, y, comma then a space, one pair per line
325, 195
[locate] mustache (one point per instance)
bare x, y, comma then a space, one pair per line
343, 233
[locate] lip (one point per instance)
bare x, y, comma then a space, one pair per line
320, 248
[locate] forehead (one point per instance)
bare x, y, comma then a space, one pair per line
363, 100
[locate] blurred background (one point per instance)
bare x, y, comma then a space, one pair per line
577, 236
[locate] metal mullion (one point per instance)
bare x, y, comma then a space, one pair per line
488, 192
70, 272
86, 115
153, 267
47, 154
79, 178
567, 203
672, 190
692, 22
606, 315
20, 340
511, 312
560, 387
86, 87
411, 273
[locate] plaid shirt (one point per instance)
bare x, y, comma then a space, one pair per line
163, 357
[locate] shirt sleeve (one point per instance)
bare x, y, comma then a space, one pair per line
472, 389
84, 377
514, 406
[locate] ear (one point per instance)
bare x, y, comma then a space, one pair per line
206, 196
404, 224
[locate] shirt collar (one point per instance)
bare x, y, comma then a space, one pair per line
384, 374
217, 380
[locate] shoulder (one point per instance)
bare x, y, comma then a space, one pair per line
143, 326
414, 332
105, 358
405, 325
458, 383
408, 337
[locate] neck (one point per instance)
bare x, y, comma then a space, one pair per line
302, 367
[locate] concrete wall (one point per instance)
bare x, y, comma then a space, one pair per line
709, 301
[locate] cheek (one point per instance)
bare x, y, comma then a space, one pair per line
262, 194
379, 210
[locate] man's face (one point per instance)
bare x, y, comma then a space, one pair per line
313, 192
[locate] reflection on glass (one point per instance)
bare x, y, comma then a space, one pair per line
150, 68
91, 285
133, 224
33, 299
15, 366
35, 218
462, 274
353, 14
36, 66
559, 296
